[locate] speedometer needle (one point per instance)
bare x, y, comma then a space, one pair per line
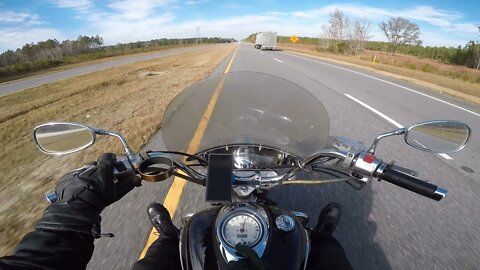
243, 226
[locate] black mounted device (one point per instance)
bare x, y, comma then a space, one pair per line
219, 178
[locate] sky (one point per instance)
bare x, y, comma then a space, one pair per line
442, 23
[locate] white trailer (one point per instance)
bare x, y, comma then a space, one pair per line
266, 41
258, 40
269, 41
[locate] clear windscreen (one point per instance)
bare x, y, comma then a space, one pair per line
246, 108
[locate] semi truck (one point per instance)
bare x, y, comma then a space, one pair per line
266, 41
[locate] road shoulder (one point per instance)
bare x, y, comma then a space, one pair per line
427, 85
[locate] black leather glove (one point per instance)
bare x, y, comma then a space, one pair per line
82, 196
250, 260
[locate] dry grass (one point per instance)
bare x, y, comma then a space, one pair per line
80, 63
422, 64
123, 99
455, 80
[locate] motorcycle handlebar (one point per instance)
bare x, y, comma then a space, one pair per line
412, 183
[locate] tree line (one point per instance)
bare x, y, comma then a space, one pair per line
462, 55
467, 55
51, 53
340, 35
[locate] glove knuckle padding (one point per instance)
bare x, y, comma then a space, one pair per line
71, 184
83, 194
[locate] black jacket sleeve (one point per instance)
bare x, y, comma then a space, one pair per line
63, 237
43, 249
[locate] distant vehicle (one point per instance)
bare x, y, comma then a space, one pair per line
266, 41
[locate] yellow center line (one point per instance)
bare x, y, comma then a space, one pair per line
175, 192
231, 62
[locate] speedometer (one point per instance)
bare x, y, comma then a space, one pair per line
243, 229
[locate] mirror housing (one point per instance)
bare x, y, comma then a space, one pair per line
66, 138
440, 136
60, 138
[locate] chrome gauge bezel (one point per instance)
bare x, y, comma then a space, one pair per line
228, 212
234, 214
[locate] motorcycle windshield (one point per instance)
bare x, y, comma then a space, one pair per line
246, 108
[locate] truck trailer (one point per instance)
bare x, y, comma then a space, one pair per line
266, 41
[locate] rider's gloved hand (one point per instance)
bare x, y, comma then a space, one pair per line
82, 196
250, 260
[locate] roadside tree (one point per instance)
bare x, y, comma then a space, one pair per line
400, 31
337, 31
359, 35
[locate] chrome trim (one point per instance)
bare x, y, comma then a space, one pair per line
347, 162
307, 249
132, 157
375, 142
300, 215
237, 213
438, 121
335, 153
365, 169
234, 146
180, 250
64, 152
185, 218
243, 192
51, 197
285, 223
229, 252
439, 193
380, 169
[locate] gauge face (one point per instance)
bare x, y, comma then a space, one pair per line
242, 229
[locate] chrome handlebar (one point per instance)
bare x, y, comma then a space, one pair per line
362, 167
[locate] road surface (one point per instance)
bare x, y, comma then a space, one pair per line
18, 85
383, 226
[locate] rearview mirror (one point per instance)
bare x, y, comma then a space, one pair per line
439, 136
63, 138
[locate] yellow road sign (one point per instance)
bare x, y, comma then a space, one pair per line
293, 38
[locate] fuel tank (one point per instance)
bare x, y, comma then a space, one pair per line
200, 246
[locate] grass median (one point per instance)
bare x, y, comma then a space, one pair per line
129, 99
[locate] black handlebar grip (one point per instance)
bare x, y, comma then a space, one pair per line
412, 183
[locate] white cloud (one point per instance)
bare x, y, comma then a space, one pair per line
467, 28
79, 5
435, 39
165, 26
13, 38
12, 17
115, 29
196, 2
137, 9
444, 19
19, 28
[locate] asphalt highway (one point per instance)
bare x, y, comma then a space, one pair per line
383, 226
22, 84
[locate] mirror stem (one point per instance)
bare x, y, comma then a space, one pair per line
399, 131
132, 157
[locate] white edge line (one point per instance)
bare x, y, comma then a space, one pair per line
277, 60
390, 120
391, 83
445, 156
393, 122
